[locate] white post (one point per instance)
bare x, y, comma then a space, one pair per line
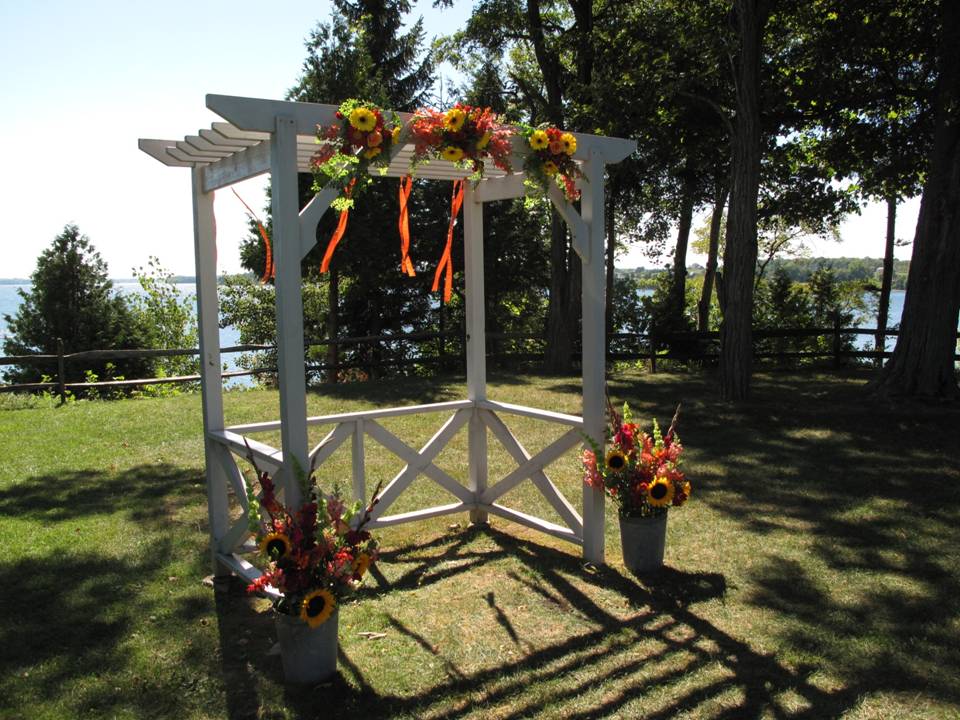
359, 463
476, 341
594, 346
205, 255
289, 307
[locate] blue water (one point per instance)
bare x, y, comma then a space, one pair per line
229, 336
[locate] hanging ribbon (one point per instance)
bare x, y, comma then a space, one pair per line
341, 229
406, 265
268, 269
446, 263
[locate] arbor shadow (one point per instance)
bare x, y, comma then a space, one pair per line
664, 642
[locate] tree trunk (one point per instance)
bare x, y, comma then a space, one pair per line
678, 291
716, 220
887, 279
740, 254
922, 364
559, 339
333, 324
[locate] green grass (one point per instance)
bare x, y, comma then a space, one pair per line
815, 572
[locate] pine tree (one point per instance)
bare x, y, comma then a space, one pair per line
72, 299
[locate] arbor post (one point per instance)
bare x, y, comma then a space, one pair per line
476, 345
289, 308
61, 373
205, 253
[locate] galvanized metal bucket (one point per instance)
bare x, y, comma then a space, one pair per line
309, 654
643, 540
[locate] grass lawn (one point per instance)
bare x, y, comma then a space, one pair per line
815, 572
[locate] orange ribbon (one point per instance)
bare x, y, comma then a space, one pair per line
446, 264
268, 269
406, 265
338, 233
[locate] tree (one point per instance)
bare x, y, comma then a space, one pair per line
922, 363
72, 300
740, 253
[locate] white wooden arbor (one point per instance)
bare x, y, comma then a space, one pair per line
278, 137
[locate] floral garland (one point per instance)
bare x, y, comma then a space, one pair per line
550, 160
464, 135
640, 472
362, 138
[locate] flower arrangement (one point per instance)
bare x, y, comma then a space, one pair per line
640, 472
363, 137
464, 134
550, 159
314, 556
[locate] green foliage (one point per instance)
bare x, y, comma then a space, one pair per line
168, 317
72, 298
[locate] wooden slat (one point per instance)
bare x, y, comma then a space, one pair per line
215, 138
311, 215
235, 536
193, 151
229, 465
543, 458
157, 149
502, 188
362, 414
231, 132
531, 412
579, 232
418, 462
437, 511
533, 522
242, 165
267, 458
326, 447
539, 478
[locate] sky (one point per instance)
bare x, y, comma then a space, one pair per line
81, 82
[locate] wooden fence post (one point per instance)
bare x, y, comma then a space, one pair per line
836, 341
61, 373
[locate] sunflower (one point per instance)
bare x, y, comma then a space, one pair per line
454, 119
361, 564
371, 153
317, 606
660, 493
539, 140
550, 167
452, 153
275, 545
484, 141
363, 119
569, 143
616, 461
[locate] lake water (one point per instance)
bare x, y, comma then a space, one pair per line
229, 336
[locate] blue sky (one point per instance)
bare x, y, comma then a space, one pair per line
81, 82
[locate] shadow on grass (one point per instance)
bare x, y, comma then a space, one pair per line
664, 642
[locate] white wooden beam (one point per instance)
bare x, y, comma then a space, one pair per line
220, 140
291, 372
157, 149
376, 414
211, 386
476, 343
246, 571
310, 217
258, 114
593, 342
539, 478
232, 472
232, 132
266, 457
329, 444
539, 461
359, 464
415, 515
500, 188
194, 159
578, 228
535, 523
242, 165
525, 411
